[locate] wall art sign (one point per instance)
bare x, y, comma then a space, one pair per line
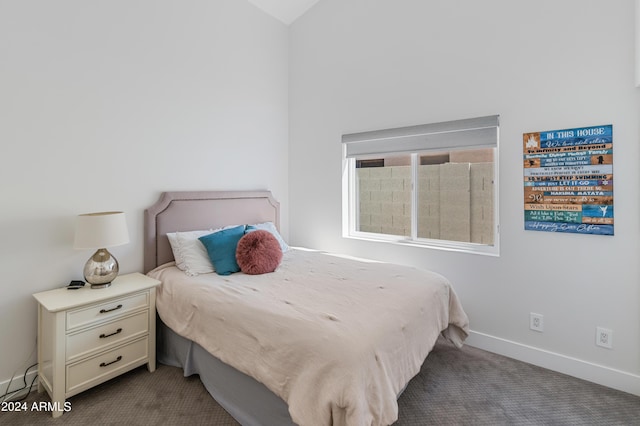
568, 180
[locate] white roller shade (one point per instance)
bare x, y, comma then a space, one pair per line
468, 133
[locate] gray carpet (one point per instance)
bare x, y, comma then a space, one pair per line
455, 387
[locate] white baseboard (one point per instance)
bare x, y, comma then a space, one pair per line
606, 376
18, 383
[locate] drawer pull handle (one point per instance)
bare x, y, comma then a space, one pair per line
104, 364
104, 336
104, 311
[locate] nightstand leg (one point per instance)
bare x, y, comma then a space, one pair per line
57, 401
58, 366
58, 412
151, 365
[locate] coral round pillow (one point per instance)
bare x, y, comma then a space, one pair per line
258, 252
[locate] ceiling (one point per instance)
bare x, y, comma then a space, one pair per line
286, 11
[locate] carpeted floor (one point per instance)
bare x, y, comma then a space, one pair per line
455, 387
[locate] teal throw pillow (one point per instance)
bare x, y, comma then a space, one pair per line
221, 247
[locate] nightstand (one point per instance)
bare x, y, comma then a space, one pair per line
88, 336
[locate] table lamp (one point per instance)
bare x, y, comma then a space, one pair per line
98, 231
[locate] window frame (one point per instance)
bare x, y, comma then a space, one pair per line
350, 191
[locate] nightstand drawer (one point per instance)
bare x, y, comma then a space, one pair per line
100, 368
104, 311
109, 334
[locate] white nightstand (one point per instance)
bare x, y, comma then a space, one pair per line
88, 336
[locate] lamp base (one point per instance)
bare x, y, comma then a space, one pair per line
101, 269
99, 286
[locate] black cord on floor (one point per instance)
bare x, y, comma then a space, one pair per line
24, 379
29, 391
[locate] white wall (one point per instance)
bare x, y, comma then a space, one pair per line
103, 105
359, 65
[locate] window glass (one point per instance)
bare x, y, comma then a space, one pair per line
444, 197
384, 195
455, 196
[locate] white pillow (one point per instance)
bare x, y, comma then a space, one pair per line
269, 226
190, 255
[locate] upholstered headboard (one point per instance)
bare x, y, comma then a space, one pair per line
193, 210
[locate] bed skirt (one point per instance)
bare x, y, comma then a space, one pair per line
245, 399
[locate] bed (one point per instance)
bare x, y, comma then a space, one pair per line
324, 339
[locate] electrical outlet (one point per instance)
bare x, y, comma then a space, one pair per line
536, 322
604, 337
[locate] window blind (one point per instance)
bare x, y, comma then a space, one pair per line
467, 133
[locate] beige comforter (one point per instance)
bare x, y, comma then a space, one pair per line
336, 338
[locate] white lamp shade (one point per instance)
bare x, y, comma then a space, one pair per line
100, 230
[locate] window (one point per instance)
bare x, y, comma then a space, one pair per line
433, 185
